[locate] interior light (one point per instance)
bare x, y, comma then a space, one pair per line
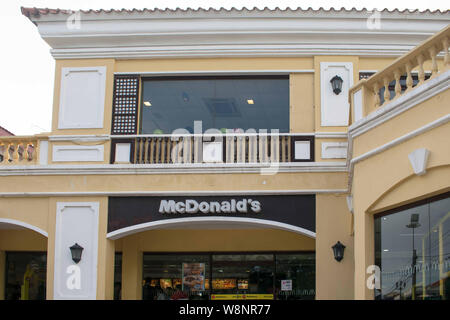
250, 101
386, 250
147, 104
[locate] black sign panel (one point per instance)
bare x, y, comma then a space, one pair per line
296, 210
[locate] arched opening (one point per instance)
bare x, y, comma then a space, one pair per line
231, 257
23, 261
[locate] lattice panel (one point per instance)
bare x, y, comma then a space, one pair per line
125, 105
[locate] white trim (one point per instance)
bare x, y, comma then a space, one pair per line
441, 121
125, 53
335, 109
168, 193
217, 72
367, 71
193, 168
24, 225
78, 153
80, 138
334, 150
117, 234
70, 100
331, 135
85, 231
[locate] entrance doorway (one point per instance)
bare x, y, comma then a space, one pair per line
215, 276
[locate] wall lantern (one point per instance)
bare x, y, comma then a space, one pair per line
336, 84
76, 251
338, 250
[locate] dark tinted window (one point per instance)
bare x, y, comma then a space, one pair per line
219, 102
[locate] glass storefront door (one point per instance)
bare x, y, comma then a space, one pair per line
215, 276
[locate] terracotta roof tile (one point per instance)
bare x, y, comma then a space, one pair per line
36, 12
4, 132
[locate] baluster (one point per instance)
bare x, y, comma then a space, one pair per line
262, 148
288, 145
11, 150
20, 151
185, 149
151, 152
252, 149
421, 71
175, 150
197, 141
230, 149
163, 150
434, 66
376, 93
398, 87
2, 152
158, 150
283, 149
168, 149
247, 149
409, 79
387, 93
145, 150
138, 150
446, 55
240, 149
274, 148
30, 151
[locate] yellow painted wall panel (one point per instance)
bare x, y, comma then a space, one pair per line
333, 223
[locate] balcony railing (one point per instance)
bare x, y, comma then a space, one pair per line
370, 94
16, 150
229, 148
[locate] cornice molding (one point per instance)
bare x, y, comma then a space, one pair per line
190, 34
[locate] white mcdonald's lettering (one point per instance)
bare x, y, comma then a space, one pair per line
193, 206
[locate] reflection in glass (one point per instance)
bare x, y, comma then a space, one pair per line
412, 247
26, 275
296, 276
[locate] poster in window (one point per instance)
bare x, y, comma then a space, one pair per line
193, 276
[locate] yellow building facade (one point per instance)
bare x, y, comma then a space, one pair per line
256, 213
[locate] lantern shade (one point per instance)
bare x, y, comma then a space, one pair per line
76, 250
336, 84
338, 250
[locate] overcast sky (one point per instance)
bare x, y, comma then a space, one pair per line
27, 68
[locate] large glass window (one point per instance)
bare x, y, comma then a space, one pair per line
25, 275
219, 102
262, 275
412, 248
243, 273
